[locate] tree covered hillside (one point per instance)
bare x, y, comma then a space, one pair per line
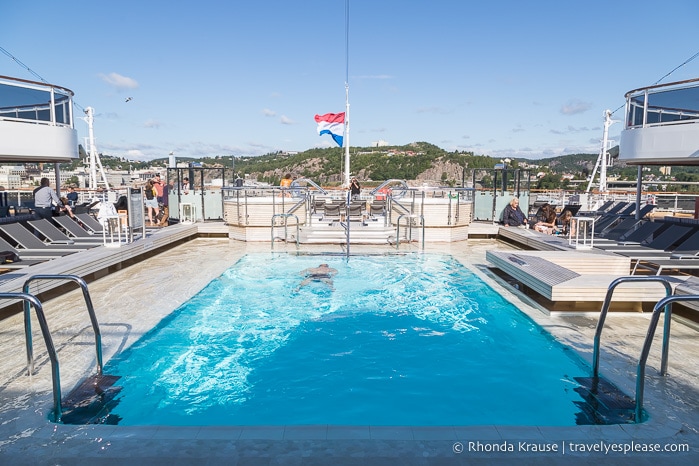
416, 162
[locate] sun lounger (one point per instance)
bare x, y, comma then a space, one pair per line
687, 250
356, 209
90, 222
608, 219
55, 236
616, 230
25, 239
665, 240
28, 257
669, 264
72, 228
642, 233
377, 208
334, 210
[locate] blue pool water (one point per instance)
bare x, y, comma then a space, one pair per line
399, 340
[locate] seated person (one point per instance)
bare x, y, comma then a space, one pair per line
565, 221
547, 223
513, 215
65, 207
323, 273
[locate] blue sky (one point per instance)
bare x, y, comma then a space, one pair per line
505, 78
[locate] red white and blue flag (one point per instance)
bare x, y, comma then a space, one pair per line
332, 124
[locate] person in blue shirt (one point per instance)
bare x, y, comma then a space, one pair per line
513, 216
72, 196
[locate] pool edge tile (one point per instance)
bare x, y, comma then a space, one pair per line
262, 433
313, 432
391, 433
349, 432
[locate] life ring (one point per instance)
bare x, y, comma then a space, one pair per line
453, 196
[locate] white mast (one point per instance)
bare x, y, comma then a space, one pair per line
345, 138
94, 159
603, 159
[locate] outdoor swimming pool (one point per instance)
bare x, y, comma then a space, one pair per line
398, 340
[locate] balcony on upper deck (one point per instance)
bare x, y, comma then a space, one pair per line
36, 122
662, 125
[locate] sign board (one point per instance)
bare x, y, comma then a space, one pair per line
135, 201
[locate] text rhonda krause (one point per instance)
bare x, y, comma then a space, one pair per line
576, 447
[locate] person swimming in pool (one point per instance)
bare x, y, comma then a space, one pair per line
323, 273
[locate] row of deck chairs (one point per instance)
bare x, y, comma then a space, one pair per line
39, 240
668, 244
357, 209
619, 217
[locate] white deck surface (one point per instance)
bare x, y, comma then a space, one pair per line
131, 301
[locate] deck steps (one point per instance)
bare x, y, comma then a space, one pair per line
604, 403
90, 401
332, 232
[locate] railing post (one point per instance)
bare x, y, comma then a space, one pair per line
50, 348
90, 311
605, 309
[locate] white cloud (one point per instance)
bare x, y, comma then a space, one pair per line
151, 124
118, 81
134, 154
285, 120
574, 106
268, 113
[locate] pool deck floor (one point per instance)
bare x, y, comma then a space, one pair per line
131, 301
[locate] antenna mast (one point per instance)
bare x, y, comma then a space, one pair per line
94, 161
603, 159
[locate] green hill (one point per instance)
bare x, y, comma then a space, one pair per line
417, 162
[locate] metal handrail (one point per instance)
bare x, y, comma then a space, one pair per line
50, 348
312, 183
90, 311
411, 216
286, 220
666, 305
605, 309
403, 184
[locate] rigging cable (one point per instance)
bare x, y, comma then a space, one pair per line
23, 65
668, 74
34, 73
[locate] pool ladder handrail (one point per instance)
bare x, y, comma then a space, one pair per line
50, 348
90, 311
53, 356
286, 222
663, 305
409, 228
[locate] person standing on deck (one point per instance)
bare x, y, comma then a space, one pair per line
44, 199
158, 185
355, 188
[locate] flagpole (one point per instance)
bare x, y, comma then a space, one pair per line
346, 140
346, 137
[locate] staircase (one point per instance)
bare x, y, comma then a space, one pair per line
604, 403
370, 231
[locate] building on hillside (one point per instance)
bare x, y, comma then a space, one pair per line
11, 176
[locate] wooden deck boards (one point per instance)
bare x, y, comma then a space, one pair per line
94, 261
576, 280
534, 240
